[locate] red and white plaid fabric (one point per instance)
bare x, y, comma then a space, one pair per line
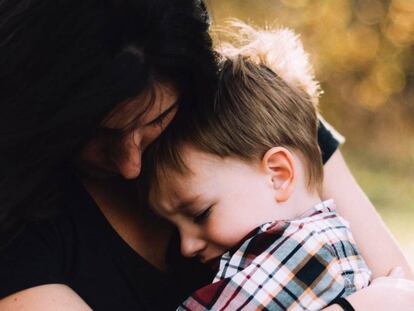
303, 264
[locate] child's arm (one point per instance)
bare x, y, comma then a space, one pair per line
374, 240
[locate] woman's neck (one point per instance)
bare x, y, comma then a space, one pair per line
144, 232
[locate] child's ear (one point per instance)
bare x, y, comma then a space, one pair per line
280, 165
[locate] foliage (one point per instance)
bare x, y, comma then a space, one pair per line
363, 53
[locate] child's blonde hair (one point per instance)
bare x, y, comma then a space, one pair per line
280, 49
266, 97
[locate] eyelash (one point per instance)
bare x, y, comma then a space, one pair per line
159, 121
202, 217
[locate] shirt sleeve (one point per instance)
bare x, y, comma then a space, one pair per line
30, 259
298, 273
328, 139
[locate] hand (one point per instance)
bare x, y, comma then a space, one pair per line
391, 292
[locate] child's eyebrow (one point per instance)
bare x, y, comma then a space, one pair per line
187, 204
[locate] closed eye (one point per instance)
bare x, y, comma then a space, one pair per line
202, 217
159, 120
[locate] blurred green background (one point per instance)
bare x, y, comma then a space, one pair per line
363, 53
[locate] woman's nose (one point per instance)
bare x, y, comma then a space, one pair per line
191, 246
129, 166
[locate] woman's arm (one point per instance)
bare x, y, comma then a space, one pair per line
44, 298
375, 242
391, 294
384, 294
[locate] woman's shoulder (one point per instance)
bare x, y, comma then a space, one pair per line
44, 298
37, 254
78, 250
44, 251
31, 258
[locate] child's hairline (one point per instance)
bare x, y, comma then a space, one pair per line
314, 176
185, 171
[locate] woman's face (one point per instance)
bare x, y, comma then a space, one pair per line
94, 159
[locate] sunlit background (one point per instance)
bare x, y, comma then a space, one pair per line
363, 53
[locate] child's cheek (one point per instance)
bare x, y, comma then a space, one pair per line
226, 234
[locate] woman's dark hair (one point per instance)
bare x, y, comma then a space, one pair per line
64, 65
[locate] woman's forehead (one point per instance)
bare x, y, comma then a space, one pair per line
142, 108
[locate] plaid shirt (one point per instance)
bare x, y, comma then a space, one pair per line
303, 264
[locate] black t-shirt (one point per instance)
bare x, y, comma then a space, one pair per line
79, 248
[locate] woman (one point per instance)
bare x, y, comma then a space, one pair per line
86, 87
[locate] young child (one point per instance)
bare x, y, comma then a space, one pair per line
242, 181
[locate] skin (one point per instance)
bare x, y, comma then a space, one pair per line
117, 200
46, 297
118, 206
385, 293
228, 194
220, 200
375, 241
150, 125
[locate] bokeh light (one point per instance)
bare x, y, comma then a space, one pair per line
363, 53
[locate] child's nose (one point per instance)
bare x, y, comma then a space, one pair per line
191, 246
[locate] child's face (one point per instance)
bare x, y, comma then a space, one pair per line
216, 206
